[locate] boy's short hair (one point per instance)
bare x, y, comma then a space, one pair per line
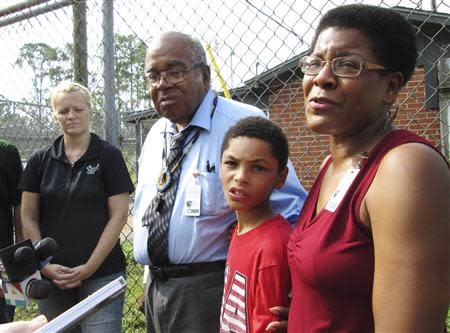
67, 87
263, 129
393, 38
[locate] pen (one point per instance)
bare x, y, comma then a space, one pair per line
210, 167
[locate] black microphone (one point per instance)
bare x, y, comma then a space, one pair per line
22, 262
19, 260
45, 248
24, 255
37, 289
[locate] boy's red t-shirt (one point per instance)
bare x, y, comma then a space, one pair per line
256, 277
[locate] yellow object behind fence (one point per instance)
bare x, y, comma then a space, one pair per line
216, 69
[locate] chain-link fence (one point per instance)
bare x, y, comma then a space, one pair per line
253, 46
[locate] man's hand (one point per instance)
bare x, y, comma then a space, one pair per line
141, 303
281, 325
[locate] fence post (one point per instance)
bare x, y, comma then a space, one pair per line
444, 103
80, 72
111, 114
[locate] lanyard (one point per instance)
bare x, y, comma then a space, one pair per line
165, 179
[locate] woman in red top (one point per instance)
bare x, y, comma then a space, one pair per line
371, 248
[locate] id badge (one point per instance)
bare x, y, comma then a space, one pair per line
341, 189
193, 195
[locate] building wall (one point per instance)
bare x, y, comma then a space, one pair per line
307, 150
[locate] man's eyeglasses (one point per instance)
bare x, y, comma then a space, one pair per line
342, 66
170, 77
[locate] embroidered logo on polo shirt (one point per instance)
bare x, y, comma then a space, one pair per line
90, 170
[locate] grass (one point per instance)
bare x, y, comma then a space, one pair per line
448, 321
133, 319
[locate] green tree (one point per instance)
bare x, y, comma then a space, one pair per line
129, 55
49, 65
10, 118
130, 91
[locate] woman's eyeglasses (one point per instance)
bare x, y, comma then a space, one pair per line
342, 66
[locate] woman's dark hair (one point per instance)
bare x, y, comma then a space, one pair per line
263, 129
393, 37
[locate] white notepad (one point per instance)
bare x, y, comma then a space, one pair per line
86, 306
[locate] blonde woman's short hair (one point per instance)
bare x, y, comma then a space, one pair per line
68, 87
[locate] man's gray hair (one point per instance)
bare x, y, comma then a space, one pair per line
198, 53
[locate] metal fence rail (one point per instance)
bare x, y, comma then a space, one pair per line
253, 47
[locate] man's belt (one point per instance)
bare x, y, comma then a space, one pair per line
165, 272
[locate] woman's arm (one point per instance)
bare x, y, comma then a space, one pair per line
31, 230
30, 216
409, 212
118, 213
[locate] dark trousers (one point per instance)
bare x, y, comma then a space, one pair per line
189, 304
6, 312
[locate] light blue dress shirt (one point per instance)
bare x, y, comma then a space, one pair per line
201, 238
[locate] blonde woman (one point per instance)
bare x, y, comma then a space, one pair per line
77, 192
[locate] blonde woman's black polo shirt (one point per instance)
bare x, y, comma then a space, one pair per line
73, 207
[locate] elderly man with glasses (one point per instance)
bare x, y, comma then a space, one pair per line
181, 219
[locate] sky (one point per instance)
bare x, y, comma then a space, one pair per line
247, 37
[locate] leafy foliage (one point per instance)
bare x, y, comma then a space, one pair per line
49, 65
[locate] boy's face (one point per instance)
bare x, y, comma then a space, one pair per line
249, 173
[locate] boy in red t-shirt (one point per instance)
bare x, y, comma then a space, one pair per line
254, 162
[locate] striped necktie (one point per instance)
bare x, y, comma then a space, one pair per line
159, 212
